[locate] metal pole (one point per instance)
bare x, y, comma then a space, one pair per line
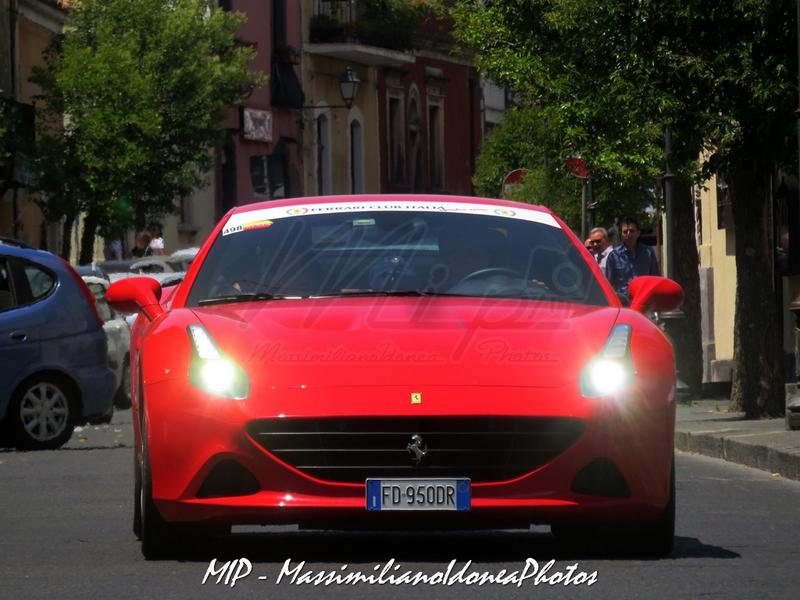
584, 201
669, 271
672, 318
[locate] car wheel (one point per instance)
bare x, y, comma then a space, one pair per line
159, 539
42, 413
653, 539
657, 539
122, 399
137, 498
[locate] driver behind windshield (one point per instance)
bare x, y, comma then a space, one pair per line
466, 253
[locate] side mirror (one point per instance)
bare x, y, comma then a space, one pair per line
136, 294
654, 293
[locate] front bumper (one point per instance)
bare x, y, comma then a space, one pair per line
191, 435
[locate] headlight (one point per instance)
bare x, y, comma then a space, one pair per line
211, 371
612, 371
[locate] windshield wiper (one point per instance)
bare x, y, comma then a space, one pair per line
248, 297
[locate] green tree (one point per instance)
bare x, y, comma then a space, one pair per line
524, 139
721, 76
144, 86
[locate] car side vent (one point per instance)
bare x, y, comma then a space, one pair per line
228, 478
601, 478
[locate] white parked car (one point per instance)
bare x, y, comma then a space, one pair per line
181, 259
118, 336
150, 265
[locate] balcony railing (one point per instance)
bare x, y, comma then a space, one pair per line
388, 24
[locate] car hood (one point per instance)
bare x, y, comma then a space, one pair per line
409, 341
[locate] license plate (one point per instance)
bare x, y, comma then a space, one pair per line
418, 494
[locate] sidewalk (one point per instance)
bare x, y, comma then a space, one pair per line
705, 427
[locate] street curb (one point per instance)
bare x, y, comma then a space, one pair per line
757, 456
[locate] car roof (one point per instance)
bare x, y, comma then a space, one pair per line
35, 254
94, 279
184, 253
170, 278
9, 241
149, 260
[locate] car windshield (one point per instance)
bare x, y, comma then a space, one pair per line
394, 253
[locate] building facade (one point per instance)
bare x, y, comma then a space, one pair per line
716, 245
415, 125
26, 27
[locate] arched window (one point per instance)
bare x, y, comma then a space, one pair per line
323, 155
414, 137
356, 157
436, 143
396, 139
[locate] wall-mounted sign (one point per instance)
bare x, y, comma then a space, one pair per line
257, 125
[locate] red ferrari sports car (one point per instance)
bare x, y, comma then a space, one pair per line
397, 361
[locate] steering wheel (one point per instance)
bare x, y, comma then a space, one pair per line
233, 288
481, 273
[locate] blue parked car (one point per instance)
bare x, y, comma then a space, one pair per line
54, 371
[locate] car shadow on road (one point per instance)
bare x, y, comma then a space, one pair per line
688, 547
373, 547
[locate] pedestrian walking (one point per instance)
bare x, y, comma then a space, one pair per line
601, 246
142, 247
156, 239
631, 258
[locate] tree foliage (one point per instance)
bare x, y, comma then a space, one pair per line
613, 75
4, 147
143, 86
525, 140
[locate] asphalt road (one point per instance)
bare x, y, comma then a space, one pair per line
65, 532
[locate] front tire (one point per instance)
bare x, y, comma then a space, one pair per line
657, 539
42, 413
137, 499
159, 539
654, 539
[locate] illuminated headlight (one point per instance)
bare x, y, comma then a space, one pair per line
211, 371
612, 371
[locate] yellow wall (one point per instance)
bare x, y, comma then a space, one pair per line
717, 251
321, 86
33, 40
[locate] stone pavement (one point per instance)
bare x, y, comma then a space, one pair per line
706, 427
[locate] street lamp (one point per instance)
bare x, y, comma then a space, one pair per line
348, 86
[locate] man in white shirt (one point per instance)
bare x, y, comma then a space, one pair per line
601, 247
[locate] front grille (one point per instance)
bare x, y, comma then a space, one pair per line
351, 449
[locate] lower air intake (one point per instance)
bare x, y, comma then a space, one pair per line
351, 449
601, 478
228, 478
